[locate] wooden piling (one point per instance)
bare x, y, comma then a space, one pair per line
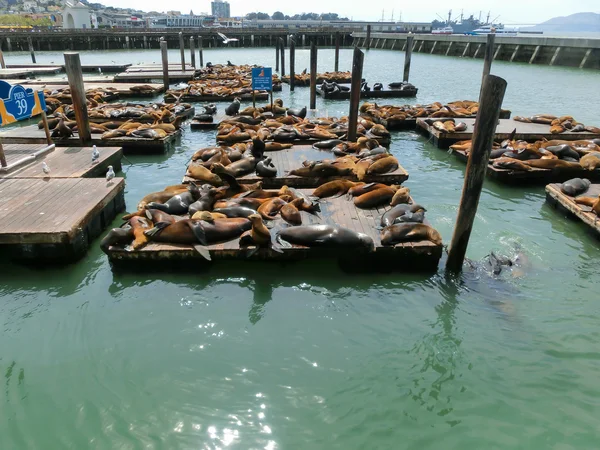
357, 66
336, 67
313, 76
490, 103
488, 57
47, 128
277, 55
200, 52
282, 54
75, 77
2, 63
193, 52
31, 49
164, 52
292, 64
368, 39
182, 51
407, 56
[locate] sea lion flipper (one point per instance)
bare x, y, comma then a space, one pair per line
203, 251
276, 247
158, 227
198, 231
148, 215
251, 251
283, 243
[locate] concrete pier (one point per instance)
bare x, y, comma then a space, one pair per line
571, 52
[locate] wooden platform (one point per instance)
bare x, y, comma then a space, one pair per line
263, 95
529, 132
71, 162
386, 93
412, 256
411, 123
33, 135
535, 176
18, 155
104, 67
289, 159
121, 90
146, 77
6, 74
56, 218
567, 204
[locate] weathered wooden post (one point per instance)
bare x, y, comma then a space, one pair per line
407, 55
490, 103
73, 69
313, 76
192, 52
336, 67
182, 51
282, 54
2, 63
164, 52
201, 54
31, 49
368, 40
292, 64
277, 55
488, 57
357, 67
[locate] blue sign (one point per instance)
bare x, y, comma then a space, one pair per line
18, 103
262, 79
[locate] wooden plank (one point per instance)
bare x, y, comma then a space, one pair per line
386, 93
555, 197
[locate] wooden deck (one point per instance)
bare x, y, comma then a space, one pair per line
71, 162
536, 176
567, 204
144, 77
121, 89
33, 135
56, 218
263, 95
411, 123
386, 93
412, 256
529, 132
286, 160
18, 155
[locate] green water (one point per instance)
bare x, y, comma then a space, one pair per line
304, 355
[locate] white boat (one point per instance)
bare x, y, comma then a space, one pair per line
445, 30
499, 30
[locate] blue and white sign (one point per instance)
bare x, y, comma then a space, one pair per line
18, 103
262, 79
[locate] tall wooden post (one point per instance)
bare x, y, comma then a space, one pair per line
336, 67
31, 49
368, 40
193, 52
357, 67
277, 55
488, 57
313, 76
282, 54
164, 52
2, 156
75, 77
2, 63
292, 64
182, 51
201, 54
490, 103
407, 55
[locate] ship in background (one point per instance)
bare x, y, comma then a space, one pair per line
471, 25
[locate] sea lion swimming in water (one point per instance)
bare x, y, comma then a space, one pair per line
407, 232
324, 236
575, 186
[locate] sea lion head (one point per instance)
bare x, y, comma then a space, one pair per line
367, 241
193, 189
255, 218
203, 215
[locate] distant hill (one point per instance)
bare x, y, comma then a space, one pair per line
582, 22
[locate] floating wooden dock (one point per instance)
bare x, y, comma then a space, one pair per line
146, 77
567, 204
56, 218
121, 90
262, 95
292, 158
410, 256
33, 135
411, 123
105, 67
18, 155
386, 93
71, 162
535, 176
529, 132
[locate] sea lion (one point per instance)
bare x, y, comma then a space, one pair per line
334, 188
591, 161
117, 236
155, 215
258, 235
235, 211
208, 216
61, 130
159, 197
201, 173
233, 108
362, 188
290, 213
400, 211
242, 167
139, 225
269, 209
563, 151
407, 232
250, 202
575, 186
592, 202
327, 144
402, 195
205, 202
179, 203
374, 198
320, 170
258, 148
552, 164
266, 168
324, 236
297, 112
275, 146
383, 166
510, 164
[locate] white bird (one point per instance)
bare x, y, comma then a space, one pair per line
226, 40
110, 174
95, 155
45, 168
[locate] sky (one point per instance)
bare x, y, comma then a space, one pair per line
509, 11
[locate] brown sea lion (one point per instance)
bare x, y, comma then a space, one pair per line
363, 188
406, 232
276, 146
242, 167
139, 225
259, 233
383, 165
335, 188
328, 236
320, 170
592, 202
159, 197
201, 173
118, 237
375, 198
155, 215
591, 161
259, 193
208, 216
552, 164
510, 164
290, 213
269, 209
402, 195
